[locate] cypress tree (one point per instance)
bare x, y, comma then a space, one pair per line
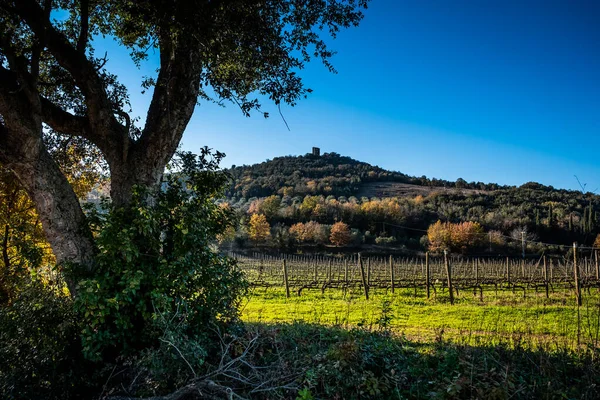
571, 222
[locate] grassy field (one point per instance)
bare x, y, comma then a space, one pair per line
533, 322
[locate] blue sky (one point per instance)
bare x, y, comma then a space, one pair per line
492, 91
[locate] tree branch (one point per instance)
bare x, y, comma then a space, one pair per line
84, 16
65, 122
9, 81
82, 70
174, 98
38, 46
18, 73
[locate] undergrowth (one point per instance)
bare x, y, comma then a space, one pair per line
358, 364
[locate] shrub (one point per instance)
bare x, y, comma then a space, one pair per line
40, 352
155, 259
385, 240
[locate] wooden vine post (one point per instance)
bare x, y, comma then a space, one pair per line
576, 275
285, 279
477, 271
368, 270
449, 275
597, 268
392, 273
345, 270
364, 278
427, 274
329, 271
508, 270
546, 277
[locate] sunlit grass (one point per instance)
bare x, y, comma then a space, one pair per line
502, 317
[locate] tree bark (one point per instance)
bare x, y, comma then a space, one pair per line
22, 151
143, 162
134, 170
58, 208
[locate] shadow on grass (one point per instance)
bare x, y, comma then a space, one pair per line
335, 363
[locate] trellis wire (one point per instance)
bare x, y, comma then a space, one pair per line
305, 271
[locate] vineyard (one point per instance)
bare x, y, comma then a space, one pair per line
433, 273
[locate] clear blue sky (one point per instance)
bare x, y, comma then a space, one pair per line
493, 91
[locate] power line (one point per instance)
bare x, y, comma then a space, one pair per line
523, 239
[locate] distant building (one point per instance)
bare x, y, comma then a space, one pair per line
316, 151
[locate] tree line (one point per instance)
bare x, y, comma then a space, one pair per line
498, 219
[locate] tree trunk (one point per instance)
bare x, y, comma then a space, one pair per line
22, 151
135, 170
59, 210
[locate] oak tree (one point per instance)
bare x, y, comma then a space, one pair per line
52, 80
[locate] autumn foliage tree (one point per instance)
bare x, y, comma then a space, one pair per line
439, 236
454, 237
259, 229
340, 234
311, 231
23, 246
466, 235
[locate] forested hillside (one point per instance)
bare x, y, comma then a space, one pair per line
301, 198
328, 174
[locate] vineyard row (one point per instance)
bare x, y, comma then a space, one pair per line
445, 271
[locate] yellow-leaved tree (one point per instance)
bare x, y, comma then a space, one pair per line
466, 235
455, 237
259, 229
597, 241
439, 236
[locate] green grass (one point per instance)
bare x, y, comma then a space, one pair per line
533, 321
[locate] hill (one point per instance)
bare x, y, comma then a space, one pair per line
382, 206
333, 174
398, 189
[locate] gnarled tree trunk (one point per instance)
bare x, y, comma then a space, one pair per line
22, 150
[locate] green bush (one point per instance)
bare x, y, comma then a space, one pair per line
385, 240
40, 352
155, 259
